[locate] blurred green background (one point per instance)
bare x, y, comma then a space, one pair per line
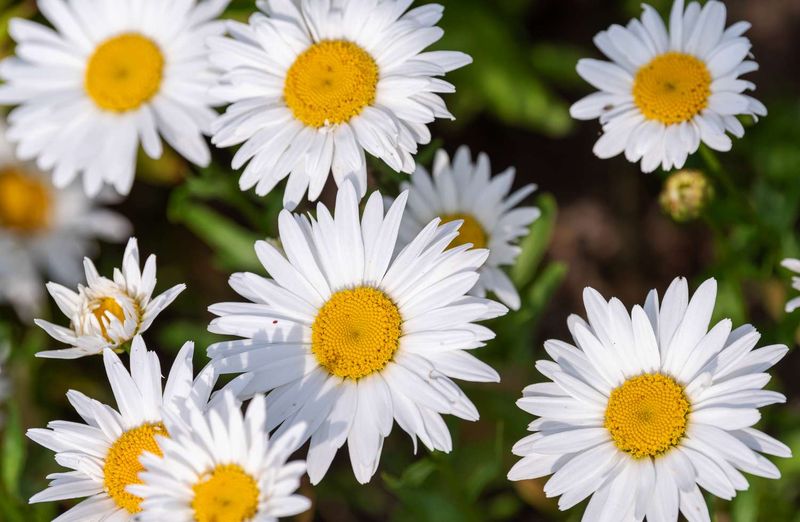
602, 226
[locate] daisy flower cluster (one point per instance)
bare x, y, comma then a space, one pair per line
368, 311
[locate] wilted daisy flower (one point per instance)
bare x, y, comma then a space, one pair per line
110, 76
466, 191
794, 266
107, 313
314, 84
104, 452
666, 91
220, 467
346, 337
44, 230
648, 406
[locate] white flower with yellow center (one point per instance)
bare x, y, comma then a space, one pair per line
220, 467
103, 453
347, 338
666, 91
649, 405
44, 231
315, 84
107, 313
111, 76
466, 191
794, 266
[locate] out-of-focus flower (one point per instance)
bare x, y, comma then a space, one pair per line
44, 231
220, 467
107, 313
649, 405
665, 91
315, 84
794, 266
685, 195
109, 77
104, 452
347, 338
466, 191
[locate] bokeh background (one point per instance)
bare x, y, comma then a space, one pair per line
602, 226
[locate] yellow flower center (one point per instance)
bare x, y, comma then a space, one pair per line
227, 494
356, 332
124, 72
24, 202
647, 415
330, 82
470, 232
122, 466
672, 88
103, 305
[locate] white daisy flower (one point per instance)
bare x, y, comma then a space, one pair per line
466, 191
107, 313
346, 337
794, 266
104, 453
649, 405
44, 230
666, 91
314, 84
110, 76
220, 467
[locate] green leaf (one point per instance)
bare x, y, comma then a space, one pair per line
13, 450
232, 243
535, 244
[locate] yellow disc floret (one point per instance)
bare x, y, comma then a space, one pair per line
122, 466
356, 332
330, 82
103, 305
24, 202
647, 415
226, 494
673, 88
471, 231
124, 72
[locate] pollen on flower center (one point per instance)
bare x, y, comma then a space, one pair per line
673, 88
103, 305
122, 466
24, 202
356, 332
124, 72
647, 415
226, 494
330, 82
471, 231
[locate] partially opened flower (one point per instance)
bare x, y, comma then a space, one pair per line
315, 84
107, 313
491, 218
665, 91
103, 452
217, 466
647, 406
347, 338
794, 266
110, 76
44, 231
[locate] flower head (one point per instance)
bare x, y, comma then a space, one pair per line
347, 337
314, 85
106, 79
665, 91
649, 405
107, 313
